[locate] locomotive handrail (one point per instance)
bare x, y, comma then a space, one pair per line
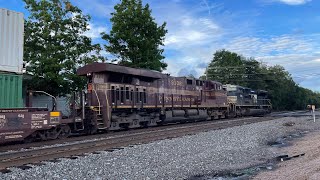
107, 103
55, 99
95, 92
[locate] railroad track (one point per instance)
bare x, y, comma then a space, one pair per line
37, 155
75, 138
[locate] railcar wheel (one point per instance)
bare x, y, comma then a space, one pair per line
28, 140
31, 138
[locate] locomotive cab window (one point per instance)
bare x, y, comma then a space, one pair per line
197, 83
127, 79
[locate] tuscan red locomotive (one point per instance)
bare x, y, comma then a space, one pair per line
122, 97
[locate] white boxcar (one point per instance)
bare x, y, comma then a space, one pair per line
11, 41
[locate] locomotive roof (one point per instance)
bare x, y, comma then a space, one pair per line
108, 67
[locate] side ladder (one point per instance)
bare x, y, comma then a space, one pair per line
99, 118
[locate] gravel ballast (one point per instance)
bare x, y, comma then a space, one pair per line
179, 158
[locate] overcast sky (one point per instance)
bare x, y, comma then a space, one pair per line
285, 32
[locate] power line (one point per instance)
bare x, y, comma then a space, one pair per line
231, 67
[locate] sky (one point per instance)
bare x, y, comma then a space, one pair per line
284, 32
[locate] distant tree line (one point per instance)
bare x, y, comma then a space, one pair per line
231, 68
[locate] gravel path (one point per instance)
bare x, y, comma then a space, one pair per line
179, 158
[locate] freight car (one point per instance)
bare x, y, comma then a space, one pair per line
32, 123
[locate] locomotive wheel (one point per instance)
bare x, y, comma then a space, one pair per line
64, 132
92, 130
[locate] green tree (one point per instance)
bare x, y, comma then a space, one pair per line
135, 38
55, 45
285, 94
255, 74
226, 67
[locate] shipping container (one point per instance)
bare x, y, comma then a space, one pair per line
10, 90
11, 41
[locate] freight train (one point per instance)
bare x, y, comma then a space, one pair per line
119, 97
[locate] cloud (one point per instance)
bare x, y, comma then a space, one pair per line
206, 4
188, 31
187, 71
294, 2
273, 45
299, 54
95, 31
98, 8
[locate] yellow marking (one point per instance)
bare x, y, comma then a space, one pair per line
54, 114
123, 107
150, 106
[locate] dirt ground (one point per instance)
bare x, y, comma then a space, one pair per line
300, 168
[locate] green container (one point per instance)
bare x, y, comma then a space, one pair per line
10, 91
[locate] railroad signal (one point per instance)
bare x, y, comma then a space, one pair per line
312, 108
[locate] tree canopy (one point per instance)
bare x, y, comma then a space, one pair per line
231, 68
135, 38
55, 45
